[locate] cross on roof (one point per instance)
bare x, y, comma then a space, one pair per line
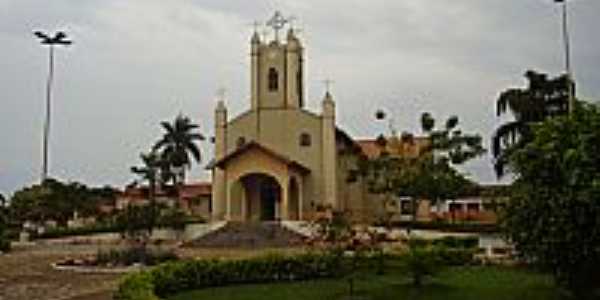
277, 22
221, 93
256, 25
328, 83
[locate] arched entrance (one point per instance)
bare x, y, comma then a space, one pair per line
262, 197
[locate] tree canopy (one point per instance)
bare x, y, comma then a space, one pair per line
543, 97
430, 174
58, 201
552, 216
178, 143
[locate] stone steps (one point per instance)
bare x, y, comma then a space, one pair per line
249, 235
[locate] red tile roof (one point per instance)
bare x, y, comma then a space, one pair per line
394, 146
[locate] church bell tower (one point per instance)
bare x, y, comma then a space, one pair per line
277, 79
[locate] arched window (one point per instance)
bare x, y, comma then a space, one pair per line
241, 141
305, 140
273, 80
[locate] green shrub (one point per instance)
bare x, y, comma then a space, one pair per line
136, 287
175, 277
455, 256
457, 242
421, 261
132, 255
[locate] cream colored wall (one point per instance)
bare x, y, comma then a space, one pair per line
351, 195
280, 131
271, 56
276, 121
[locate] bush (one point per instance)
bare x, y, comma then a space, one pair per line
176, 277
455, 256
457, 242
133, 255
136, 287
421, 261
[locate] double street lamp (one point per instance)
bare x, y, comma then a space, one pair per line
59, 39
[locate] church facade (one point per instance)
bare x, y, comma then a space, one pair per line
277, 160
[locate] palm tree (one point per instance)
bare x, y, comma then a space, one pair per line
177, 143
150, 172
543, 98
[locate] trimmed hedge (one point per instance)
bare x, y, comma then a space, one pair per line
451, 251
132, 255
457, 242
170, 278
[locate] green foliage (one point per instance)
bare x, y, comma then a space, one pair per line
552, 215
56, 200
136, 222
457, 242
132, 255
428, 175
541, 99
421, 261
173, 218
178, 142
4, 226
136, 287
461, 283
175, 277
426, 258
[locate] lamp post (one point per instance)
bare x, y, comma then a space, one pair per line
60, 39
567, 45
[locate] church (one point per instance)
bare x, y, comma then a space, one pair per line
277, 160
280, 161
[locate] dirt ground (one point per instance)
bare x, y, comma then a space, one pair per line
26, 274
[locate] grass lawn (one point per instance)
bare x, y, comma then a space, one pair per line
465, 283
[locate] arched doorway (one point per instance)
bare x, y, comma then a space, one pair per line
262, 197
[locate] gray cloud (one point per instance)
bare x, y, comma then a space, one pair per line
135, 63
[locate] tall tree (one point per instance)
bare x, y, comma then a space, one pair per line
152, 171
4, 224
428, 175
552, 214
542, 98
178, 143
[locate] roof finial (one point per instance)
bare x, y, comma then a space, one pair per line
328, 83
221, 93
277, 22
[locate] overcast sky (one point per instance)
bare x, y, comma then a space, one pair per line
138, 62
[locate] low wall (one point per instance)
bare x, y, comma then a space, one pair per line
190, 232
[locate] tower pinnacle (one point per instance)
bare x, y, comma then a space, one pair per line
277, 22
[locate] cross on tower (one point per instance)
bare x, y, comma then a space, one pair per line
277, 22
328, 83
256, 25
221, 93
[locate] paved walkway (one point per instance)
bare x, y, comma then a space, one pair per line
26, 274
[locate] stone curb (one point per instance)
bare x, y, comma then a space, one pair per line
97, 270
